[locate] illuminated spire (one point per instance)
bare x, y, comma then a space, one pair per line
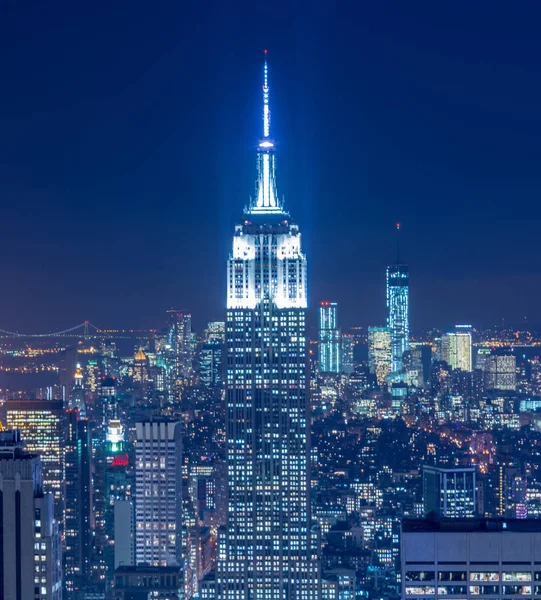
266, 107
266, 200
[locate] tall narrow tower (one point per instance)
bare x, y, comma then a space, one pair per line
398, 307
270, 551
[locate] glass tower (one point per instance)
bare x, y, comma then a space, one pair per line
270, 551
398, 311
329, 338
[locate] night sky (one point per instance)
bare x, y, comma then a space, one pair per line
127, 153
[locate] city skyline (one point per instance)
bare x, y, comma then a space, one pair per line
309, 388
79, 172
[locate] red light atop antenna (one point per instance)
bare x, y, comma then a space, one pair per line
265, 51
398, 225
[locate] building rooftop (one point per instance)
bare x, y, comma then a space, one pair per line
145, 569
470, 525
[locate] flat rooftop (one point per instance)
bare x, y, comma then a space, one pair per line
470, 525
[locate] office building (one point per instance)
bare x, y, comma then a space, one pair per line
211, 363
379, 353
347, 356
76, 398
471, 558
140, 369
158, 500
180, 342
41, 423
501, 372
143, 582
215, 332
270, 551
78, 535
30, 546
329, 338
119, 509
397, 279
123, 534
450, 492
457, 348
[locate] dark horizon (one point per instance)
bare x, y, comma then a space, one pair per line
128, 154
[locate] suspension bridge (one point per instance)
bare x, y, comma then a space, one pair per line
84, 330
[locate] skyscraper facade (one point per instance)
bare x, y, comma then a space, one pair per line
398, 311
211, 363
180, 341
329, 338
270, 551
30, 546
450, 492
347, 353
501, 372
158, 500
41, 425
457, 347
380, 352
78, 503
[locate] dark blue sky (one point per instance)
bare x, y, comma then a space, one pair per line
127, 137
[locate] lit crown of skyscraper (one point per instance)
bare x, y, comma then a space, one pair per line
266, 199
267, 259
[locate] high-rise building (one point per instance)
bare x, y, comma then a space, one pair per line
329, 338
30, 547
180, 342
347, 356
398, 310
215, 331
450, 492
140, 370
457, 348
379, 352
119, 510
501, 372
211, 363
144, 581
158, 500
270, 551
41, 423
76, 398
78, 503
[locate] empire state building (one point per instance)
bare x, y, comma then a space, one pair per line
270, 551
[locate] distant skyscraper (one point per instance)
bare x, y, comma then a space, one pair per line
77, 395
78, 503
41, 423
347, 358
215, 331
270, 552
211, 363
457, 348
30, 545
501, 372
180, 341
140, 369
119, 513
158, 520
398, 309
329, 338
450, 492
379, 352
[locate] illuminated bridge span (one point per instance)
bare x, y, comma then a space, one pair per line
83, 330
